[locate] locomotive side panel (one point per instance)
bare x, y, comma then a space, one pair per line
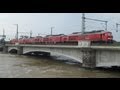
73, 38
93, 37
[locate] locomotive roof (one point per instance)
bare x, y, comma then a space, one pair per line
97, 32
55, 35
90, 32
38, 36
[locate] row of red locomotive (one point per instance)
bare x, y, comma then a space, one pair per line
93, 36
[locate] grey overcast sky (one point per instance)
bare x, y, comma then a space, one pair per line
65, 23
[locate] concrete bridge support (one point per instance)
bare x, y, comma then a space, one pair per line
89, 58
19, 50
5, 49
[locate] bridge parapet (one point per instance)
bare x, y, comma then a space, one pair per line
89, 58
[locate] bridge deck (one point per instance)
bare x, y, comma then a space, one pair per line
89, 56
71, 46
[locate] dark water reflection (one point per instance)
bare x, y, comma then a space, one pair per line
15, 66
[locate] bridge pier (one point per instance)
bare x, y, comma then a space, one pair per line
20, 50
5, 49
89, 58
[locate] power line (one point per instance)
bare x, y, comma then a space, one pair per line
84, 18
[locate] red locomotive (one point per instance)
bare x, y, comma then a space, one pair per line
93, 36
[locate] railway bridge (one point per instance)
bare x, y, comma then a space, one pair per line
89, 56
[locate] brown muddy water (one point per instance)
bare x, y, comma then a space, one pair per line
20, 66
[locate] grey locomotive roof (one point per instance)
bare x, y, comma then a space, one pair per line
90, 32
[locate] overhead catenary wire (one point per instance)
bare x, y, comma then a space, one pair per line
86, 18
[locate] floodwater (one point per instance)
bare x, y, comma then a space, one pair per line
20, 66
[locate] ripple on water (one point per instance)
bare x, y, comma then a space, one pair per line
12, 66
